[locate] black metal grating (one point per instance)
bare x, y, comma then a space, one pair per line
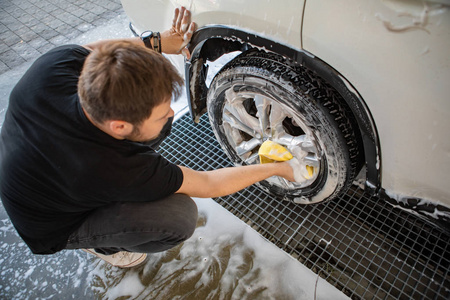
362, 245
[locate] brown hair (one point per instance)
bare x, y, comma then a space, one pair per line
124, 81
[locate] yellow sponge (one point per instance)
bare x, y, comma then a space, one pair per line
270, 152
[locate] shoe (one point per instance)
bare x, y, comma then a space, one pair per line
122, 259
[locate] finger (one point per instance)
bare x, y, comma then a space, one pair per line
180, 19
188, 35
185, 52
186, 21
175, 17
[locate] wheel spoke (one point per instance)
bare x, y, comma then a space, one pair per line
235, 118
247, 146
280, 181
277, 115
288, 183
312, 160
234, 104
308, 145
287, 139
262, 105
254, 158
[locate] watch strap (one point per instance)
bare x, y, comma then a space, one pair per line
147, 36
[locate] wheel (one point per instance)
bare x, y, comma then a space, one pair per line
260, 96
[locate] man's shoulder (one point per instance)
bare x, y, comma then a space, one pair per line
67, 57
54, 73
69, 49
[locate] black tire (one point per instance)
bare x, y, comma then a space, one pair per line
314, 114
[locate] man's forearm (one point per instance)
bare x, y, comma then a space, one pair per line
226, 181
230, 180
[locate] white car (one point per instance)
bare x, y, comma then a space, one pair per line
345, 85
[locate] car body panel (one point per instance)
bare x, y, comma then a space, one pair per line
390, 53
283, 26
403, 73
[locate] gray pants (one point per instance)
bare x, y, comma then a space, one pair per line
144, 227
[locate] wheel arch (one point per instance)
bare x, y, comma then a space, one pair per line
211, 42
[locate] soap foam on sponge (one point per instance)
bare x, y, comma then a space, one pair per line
270, 152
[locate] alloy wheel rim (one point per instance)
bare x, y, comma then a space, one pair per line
250, 118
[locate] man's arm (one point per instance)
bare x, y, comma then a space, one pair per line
221, 182
173, 41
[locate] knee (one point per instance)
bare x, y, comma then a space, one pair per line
181, 216
190, 222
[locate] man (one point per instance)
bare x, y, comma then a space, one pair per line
78, 166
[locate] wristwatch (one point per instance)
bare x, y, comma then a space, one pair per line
147, 35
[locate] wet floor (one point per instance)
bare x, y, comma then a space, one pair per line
225, 259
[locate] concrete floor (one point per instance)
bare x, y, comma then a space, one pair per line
29, 28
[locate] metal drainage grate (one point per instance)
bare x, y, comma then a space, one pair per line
360, 244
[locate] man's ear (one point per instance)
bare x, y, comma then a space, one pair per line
121, 129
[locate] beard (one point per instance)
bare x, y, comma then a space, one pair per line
154, 142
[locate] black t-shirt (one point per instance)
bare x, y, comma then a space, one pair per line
56, 167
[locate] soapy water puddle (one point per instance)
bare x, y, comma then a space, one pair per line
224, 259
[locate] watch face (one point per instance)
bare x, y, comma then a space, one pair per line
146, 34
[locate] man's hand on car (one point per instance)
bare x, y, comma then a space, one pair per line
175, 40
